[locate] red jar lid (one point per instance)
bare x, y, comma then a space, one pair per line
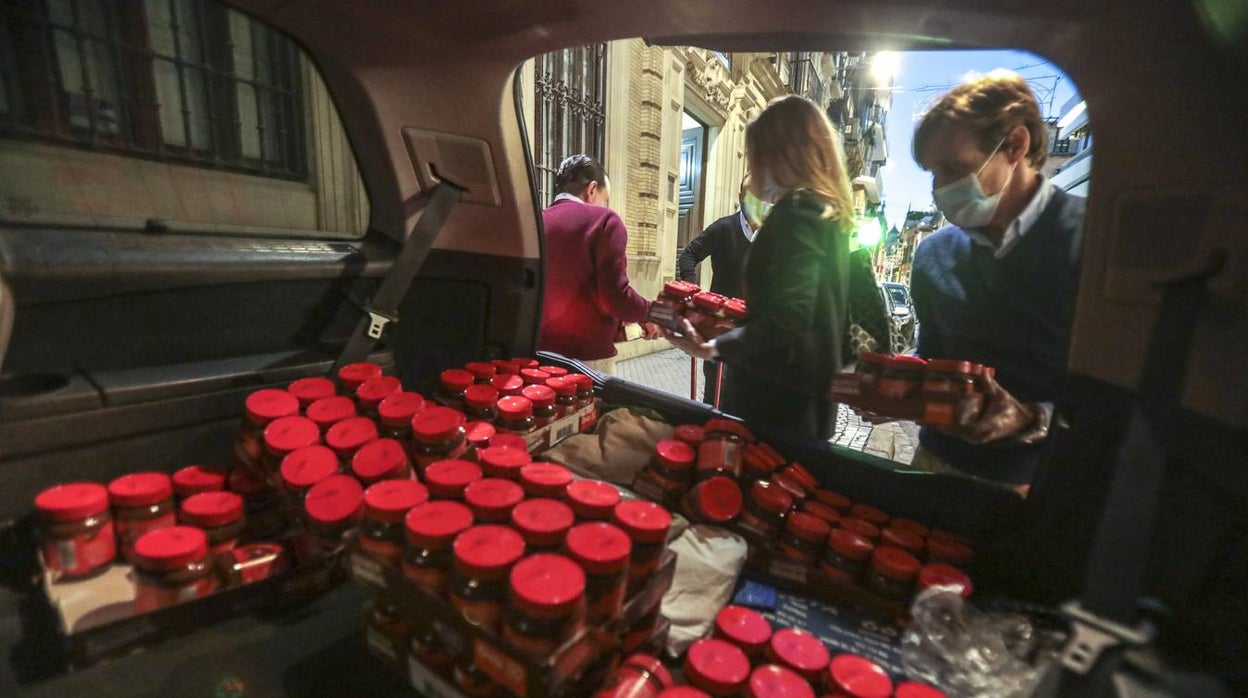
808, 527
871, 357
547, 586
540, 395
719, 666
170, 548
849, 544
745, 628
950, 536
816, 508
898, 538
680, 289
434, 525
492, 498
448, 478
72, 501
437, 424
691, 434
709, 301
949, 551
264, 406
479, 433
398, 408
836, 500
859, 677
309, 390
584, 384
601, 548
304, 467
380, 459
719, 498
288, 433
140, 489
895, 563
353, 375
948, 366
554, 371
908, 525
390, 500
247, 483
350, 434
515, 407
865, 529
771, 498
525, 362
194, 479
728, 426
487, 551
456, 380
905, 364
506, 367
944, 575
503, 461
534, 376
335, 499
374, 390
789, 484
545, 479
800, 651
211, 509
774, 681
869, 514
683, 692
644, 522
328, 411
592, 499
508, 384
481, 369
481, 396
799, 472
652, 669
507, 439
910, 689
674, 454
562, 385
543, 522
735, 309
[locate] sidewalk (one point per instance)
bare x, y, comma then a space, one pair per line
668, 371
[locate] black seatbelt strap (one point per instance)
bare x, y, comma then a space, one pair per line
384, 306
1105, 617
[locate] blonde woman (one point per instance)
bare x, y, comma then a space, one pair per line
796, 276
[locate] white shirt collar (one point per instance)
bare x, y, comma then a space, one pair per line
1021, 225
745, 227
569, 197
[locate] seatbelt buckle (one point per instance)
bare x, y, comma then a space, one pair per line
377, 322
1091, 635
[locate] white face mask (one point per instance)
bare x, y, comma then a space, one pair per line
755, 209
963, 201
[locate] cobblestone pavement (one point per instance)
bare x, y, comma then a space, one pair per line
669, 371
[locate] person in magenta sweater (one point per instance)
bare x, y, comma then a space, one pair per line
587, 290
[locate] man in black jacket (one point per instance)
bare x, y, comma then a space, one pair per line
726, 242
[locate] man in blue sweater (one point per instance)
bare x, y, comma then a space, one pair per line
997, 286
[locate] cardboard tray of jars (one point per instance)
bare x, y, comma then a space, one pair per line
97, 618
846, 388
575, 668
782, 572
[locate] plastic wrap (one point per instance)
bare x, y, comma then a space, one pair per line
969, 653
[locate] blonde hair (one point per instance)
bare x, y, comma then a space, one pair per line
793, 144
990, 107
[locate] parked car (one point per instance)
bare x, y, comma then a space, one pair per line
904, 324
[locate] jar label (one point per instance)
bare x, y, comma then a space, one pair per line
590, 418
149, 598
384, 551
430, 579
895, 388
719, 455
82, 553
248, 449
496, 664
130, 531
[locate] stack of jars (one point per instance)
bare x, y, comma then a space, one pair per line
517, 396
932, 392
711, 314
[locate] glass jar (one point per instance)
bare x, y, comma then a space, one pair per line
453, 383
543, 399
484, 556
716, 501
948, 551
261, 407
934, 574
333, 507
507, 439
669, 472
775, 681
328, 411
194, 479
762, 519
639, 676
507, 384
602, 550
720, 668
584, 390
383, 459
554, 371
482, 371
800, 652
305, 467
385, 630
543, 523
386, 504
547, 594
472, 681
309, 390
803, 538
789, 484
592, 500
437, 434
478, 434
545, 480
534, 376
691, 434
865, 529
491, 499
254, 562
706, 313
372, 391
76, 534
846, 556
503, 461
836, 500
141, 502
901, 379
506, 367
171, 565
745, 628
446, 479
721, 451
261, 504
647, 525
755, 465
910, 525
818, 509
910, 542
857, 677
219, 514
480, 403
352, 376
524, 362
515, 414
869, 514
736, 311
798, 472
892, 573
346, 437
396, 412
284, 435
430, 646
869, 369
669, 308
430, 529
565, 395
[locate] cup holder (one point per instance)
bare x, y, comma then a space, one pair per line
31, 384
